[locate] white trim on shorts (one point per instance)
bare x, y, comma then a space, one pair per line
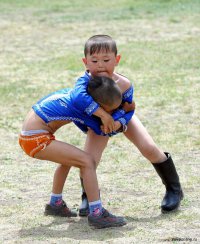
32, 132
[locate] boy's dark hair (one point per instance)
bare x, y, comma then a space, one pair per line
104, 90
98, 43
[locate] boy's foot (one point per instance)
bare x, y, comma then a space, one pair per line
62, 210
84, 207
105, 220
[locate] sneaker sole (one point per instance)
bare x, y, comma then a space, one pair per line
59, 215
109, 225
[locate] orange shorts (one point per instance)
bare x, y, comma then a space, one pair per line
33, 144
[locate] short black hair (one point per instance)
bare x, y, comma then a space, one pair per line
104, 90
98, 43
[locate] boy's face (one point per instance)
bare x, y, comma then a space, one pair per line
102, 63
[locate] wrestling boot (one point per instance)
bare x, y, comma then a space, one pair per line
174, 194
84, 207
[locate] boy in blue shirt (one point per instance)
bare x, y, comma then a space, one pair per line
100, 59
37, 140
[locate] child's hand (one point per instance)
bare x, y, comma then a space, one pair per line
128, 106
118, 128
117, 125
106, 119
108, 123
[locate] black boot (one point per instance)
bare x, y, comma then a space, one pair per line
174, 194
84, 207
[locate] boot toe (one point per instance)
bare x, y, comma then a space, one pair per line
171, 201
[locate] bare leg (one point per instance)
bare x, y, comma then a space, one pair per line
138, 135
94, 145
68, 156
59, 178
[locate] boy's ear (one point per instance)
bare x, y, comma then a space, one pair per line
84, 61
118, 57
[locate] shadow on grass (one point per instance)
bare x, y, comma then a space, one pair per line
150, 219
76, 229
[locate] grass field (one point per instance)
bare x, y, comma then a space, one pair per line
41, 46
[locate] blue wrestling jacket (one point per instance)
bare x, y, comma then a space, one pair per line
78, 106
89, 106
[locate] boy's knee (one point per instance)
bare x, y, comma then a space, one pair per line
89, 162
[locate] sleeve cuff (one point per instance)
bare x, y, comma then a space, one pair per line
91, 108
122, 121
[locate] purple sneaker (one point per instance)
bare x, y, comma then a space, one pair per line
61, 210
105, 220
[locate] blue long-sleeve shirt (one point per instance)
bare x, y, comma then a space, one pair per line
77, 106
89, 106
